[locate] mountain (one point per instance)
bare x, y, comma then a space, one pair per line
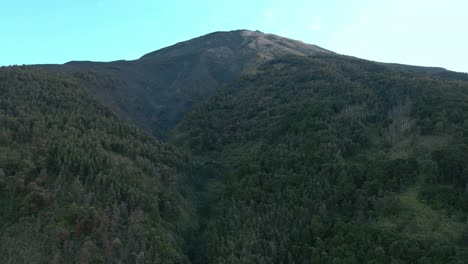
273, 151
156, 90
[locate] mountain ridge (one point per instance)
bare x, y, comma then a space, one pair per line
158, 89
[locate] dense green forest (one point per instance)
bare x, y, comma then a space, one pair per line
332, 160
79, 186
319, 159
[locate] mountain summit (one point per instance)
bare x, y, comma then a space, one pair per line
156, 90
242, 42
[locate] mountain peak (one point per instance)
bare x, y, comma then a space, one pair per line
160, 87
266, 46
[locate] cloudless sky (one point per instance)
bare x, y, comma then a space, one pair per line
418, 32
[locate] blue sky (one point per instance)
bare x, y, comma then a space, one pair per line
429, 33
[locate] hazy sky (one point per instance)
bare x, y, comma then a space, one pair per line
418, 32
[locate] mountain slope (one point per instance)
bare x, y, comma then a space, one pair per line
290, 154
159, 88
331, 160
79, 186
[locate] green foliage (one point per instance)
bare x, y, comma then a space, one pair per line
78, 185
323, 159
306, 165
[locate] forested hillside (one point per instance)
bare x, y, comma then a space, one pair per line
285, 153
79, 186
331, 159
